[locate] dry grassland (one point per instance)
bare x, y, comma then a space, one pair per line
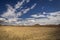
29, 33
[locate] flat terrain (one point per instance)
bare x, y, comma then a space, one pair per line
29, 33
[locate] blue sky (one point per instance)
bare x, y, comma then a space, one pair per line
30, 10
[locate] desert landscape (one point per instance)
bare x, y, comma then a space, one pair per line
29, 33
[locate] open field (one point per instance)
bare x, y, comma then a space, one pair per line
29, 33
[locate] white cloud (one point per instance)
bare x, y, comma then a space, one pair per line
54, 15
2, 19
26, 10
37, 16
33, 6
19, 14
12, 20
19, 4
50, 20
53, 18
11, 14
28, 21
44, 12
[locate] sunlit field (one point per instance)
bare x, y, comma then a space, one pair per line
29, 33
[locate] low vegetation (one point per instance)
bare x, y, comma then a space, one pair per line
29, 33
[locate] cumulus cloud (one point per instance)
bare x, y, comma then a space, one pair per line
11, 13
28, 21
52, 18
1, 19
12, 16
54, 15
37, 16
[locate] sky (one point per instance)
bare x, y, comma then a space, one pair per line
30, 12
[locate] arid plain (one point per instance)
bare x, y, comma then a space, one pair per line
29, 33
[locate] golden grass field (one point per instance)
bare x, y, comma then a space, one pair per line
29, 33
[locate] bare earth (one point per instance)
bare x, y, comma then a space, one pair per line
29, 33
